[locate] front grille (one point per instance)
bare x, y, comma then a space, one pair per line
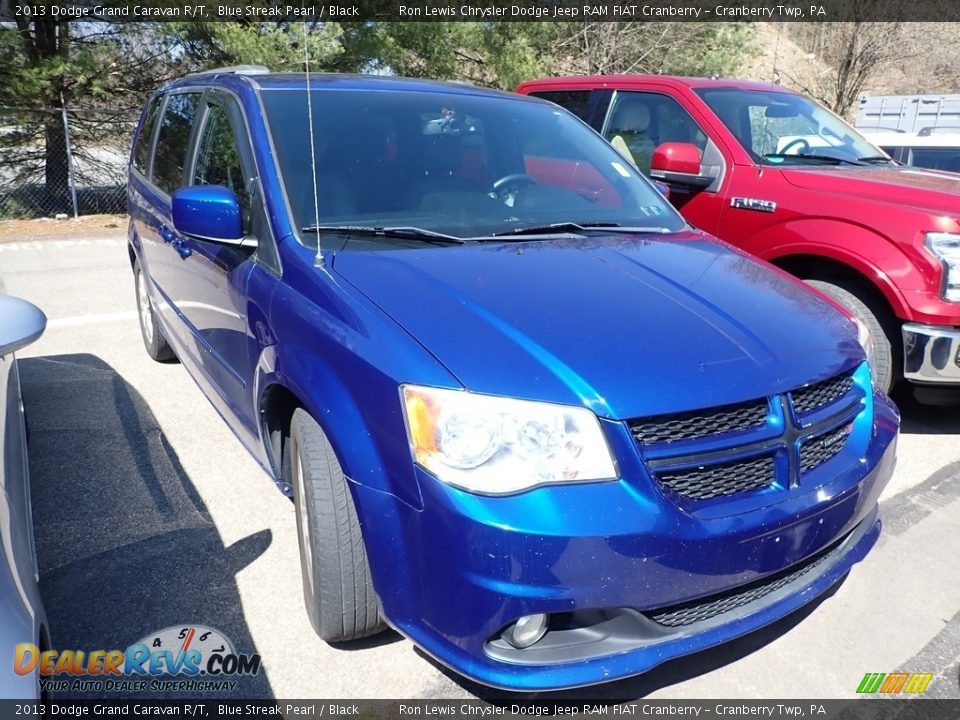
821, 394
703, 443
700, 423
711, 607
819, 449
717, 480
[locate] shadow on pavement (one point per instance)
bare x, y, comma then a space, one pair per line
938, 414
126, 547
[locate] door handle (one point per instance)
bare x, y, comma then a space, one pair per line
166, 234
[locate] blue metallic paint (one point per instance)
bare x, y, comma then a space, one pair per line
207, 211
625, 326
599, 322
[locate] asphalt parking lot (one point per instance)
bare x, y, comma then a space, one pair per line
149, 514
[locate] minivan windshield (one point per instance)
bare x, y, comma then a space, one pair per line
458, 164
786, 129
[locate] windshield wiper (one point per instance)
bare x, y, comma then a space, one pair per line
404, 232
876, 159
568, 227
829, 159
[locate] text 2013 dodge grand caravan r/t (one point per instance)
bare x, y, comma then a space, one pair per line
527, 415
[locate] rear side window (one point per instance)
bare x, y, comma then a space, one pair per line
141, 154
575, 101
939, 158
173, 140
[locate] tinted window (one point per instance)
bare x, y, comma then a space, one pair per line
576, 101
172, 141
464, 164
218, 158
940, 158
640, 122
141, 154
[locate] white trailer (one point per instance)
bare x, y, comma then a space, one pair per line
919, 114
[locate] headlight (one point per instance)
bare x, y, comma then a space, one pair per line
946, 247
497, 445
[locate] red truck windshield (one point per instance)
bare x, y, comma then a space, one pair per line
787, 129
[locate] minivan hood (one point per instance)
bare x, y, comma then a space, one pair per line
625, 325
923, 189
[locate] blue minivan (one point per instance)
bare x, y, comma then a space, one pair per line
528, 416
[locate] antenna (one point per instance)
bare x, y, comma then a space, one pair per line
313, 156
773, 78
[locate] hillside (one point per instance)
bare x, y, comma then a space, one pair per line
777, 57
922, 59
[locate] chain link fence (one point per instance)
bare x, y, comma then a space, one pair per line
69, 161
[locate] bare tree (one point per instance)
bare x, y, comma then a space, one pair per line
856, 52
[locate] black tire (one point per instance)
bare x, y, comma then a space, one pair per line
153, 340
886, 348
337, 588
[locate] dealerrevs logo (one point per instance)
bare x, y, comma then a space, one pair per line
185, 650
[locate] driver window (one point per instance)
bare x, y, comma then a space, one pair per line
218, 160
639, 122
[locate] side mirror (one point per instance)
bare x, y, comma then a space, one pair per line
20, 324
208, 212
678, 163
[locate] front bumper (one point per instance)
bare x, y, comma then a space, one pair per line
614, 558
931, 354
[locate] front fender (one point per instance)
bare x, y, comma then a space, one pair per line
345, 360
371, 445
878, 259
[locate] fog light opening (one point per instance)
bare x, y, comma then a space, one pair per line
527, 631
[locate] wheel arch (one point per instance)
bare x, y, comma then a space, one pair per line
133, 243
327, 399
277, 405
808, 265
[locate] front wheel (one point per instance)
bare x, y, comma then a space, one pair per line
337, 587
883, 358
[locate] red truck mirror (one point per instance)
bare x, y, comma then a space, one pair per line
679, 163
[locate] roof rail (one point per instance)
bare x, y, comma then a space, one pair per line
236, 70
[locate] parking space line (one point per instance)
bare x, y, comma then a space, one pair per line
29, 245
91, 319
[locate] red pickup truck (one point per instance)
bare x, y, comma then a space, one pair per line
768, 170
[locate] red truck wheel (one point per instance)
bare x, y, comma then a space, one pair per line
882, 363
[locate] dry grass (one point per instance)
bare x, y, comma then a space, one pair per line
87, 226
